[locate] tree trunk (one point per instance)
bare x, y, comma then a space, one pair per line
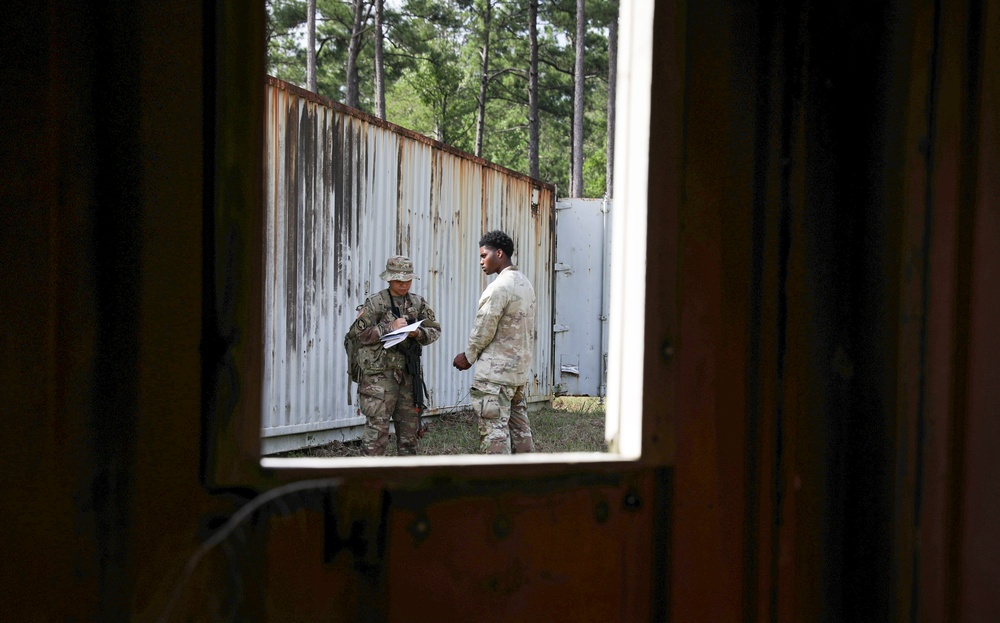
439, 122
353, 50
484, 66
576, 182
612, 86
311, 45
533, 125
441, 129
379, 62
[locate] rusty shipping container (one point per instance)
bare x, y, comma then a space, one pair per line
344, 191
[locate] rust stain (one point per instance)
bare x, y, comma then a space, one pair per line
396, 129
291, 231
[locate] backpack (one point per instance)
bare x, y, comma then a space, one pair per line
351, 345
354, 368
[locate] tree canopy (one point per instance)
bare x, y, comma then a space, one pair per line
451, 65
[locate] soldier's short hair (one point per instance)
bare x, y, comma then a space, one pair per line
496, 239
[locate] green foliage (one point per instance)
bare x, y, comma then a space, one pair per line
594, 172
432, 58
595, 123
286, 59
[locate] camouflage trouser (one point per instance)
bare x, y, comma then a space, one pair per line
503, 419
384, 396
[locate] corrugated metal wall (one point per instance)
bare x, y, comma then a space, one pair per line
344, 192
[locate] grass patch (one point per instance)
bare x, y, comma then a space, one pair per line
571, 424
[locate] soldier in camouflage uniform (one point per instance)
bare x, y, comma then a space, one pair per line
386, 389
502, 342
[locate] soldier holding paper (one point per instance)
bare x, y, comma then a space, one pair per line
391, 385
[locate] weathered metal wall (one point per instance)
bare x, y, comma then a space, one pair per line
345, 191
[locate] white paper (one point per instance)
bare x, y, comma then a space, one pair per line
395, 337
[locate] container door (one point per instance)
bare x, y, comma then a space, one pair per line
581, 296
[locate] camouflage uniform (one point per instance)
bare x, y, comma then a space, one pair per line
385, 391
502, 342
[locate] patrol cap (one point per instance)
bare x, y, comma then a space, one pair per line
398, 268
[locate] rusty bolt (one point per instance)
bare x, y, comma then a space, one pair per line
667, 351
632, 501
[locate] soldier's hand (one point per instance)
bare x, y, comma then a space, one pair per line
461, 362
398, 323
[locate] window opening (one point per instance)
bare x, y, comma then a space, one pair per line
623, 422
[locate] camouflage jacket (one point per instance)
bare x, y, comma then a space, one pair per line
375, 320
502, 340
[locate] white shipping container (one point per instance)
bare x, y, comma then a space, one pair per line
344, 192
